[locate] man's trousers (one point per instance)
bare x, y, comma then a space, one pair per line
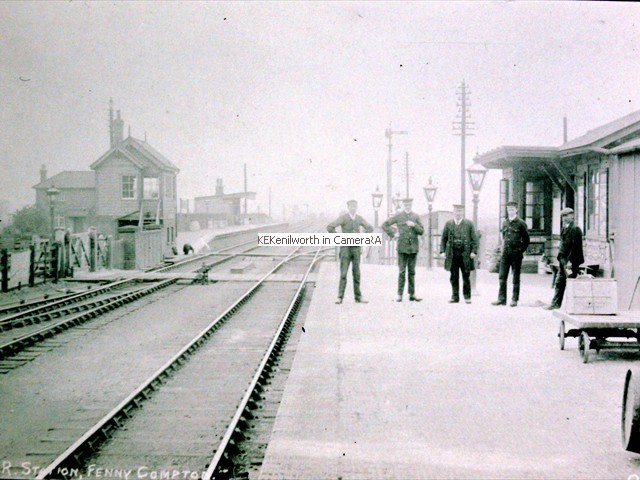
457, 266
511, 259
407, 263
350, 255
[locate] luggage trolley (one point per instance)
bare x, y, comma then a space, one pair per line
594, 331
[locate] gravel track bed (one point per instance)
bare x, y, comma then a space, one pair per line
67, 383
179, 427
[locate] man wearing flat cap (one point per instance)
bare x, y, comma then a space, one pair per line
515, 240
460, 245
570, 251
350, 223
408, 226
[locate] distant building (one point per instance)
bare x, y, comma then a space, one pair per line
75, 205
596, 174
220, 210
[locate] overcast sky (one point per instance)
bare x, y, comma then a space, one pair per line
303, 92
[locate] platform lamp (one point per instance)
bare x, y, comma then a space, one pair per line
376, 199
52, 195
430, 192
476, 177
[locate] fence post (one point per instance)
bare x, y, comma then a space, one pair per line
92, 249
55, 261
4, 262
67, 271
32, 265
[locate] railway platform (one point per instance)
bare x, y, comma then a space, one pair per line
201, 239
437, 390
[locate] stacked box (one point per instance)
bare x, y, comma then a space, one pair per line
591, 296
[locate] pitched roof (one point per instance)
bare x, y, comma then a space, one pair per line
629, 146
499, 157
70, 179
140, 154
152, 153
610, 135
601, 136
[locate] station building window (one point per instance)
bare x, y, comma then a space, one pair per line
129, 187
151, 187
535, 206
597, 201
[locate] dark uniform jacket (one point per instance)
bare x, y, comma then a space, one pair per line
515, 235
408, 241
350, 226
469, 243
571, 245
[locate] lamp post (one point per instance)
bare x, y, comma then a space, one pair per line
390, 133
476, 178
376, 199
430, 192
52, 194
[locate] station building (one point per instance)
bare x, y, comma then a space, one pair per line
596, 174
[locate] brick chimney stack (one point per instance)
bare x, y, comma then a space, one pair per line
43, 173
118, 130
116, 127
219, 187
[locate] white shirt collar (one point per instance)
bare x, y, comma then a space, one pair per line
458, 222
353, 217
512, 219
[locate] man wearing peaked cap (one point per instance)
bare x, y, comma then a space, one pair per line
350, 223
515, 241
570, 252
460, 245
407, 228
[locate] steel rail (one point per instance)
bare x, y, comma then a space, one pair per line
101, 431
232, 429
14, 346
68, 300
53, 306
46, 312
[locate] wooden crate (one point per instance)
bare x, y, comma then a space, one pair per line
591, 296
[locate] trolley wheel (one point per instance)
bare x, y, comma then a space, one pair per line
561, 335
631, 413
583, 345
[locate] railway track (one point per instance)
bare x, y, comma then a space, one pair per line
197, 404
27, 327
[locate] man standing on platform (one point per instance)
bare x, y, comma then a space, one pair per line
570, 251
460, 244
408, 226
515, 240
350, 223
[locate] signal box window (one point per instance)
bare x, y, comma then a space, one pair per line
129, 187
151, 186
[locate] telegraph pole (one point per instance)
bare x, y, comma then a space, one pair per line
406, 168
390, 133
461, 126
